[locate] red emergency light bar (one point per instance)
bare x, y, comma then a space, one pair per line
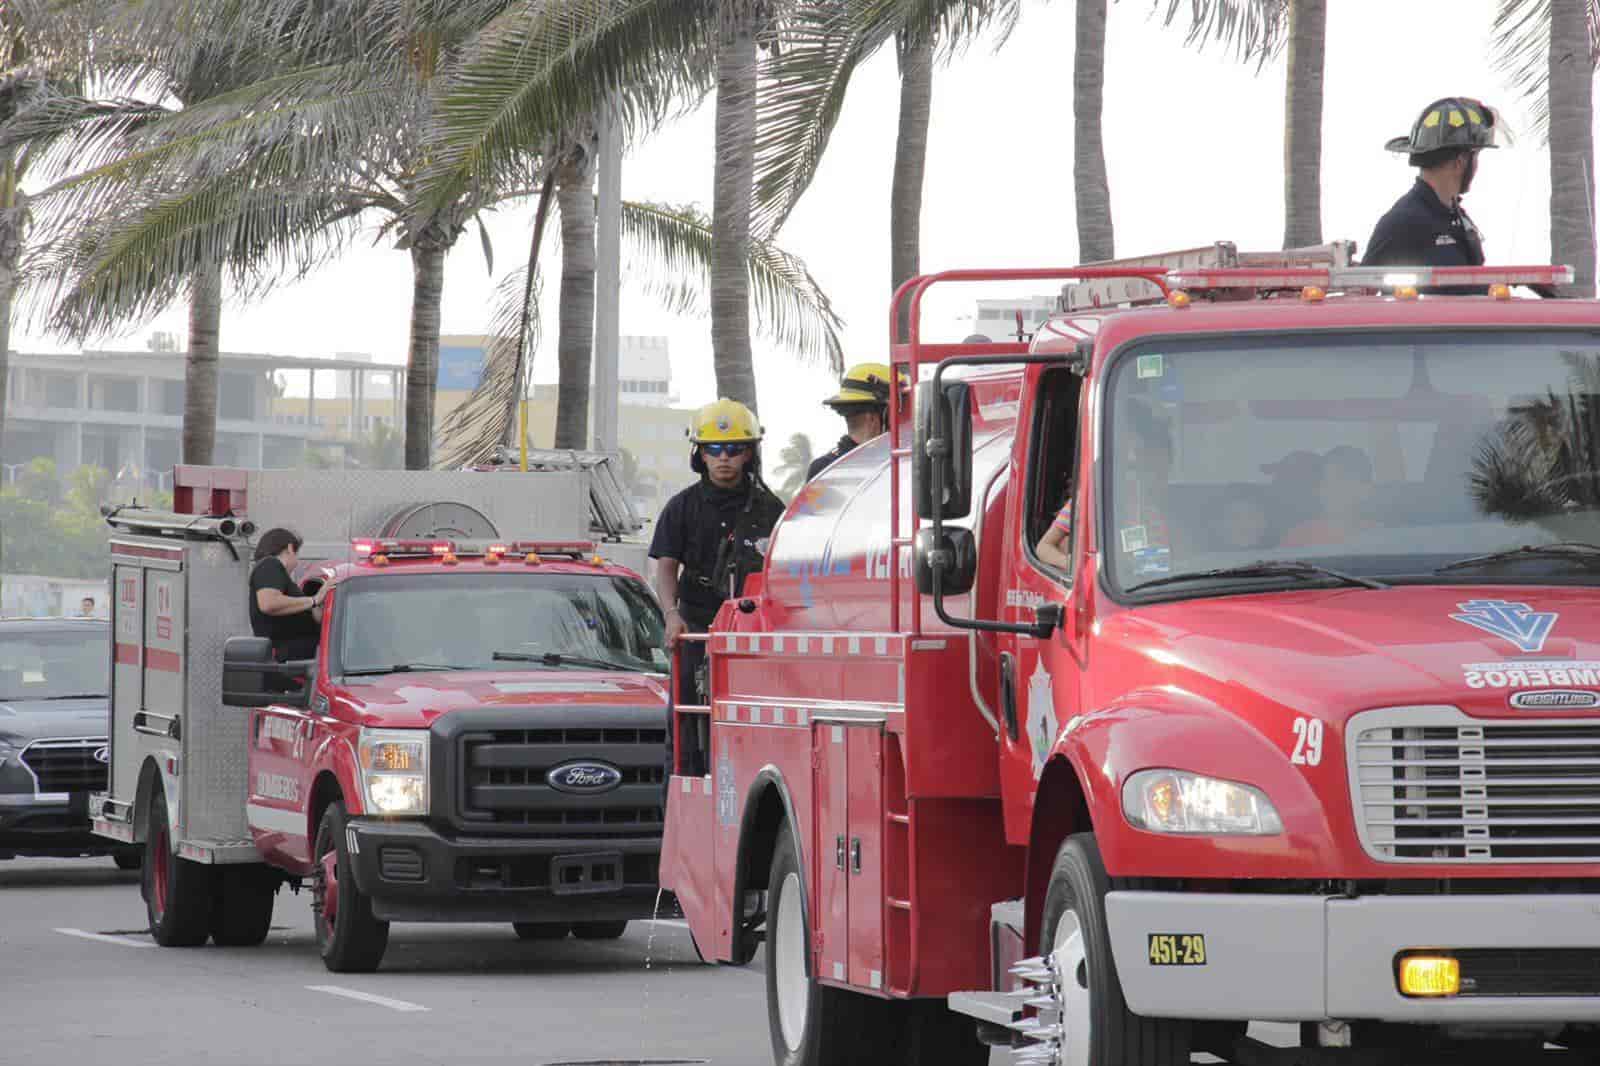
1376, 278
365, 547
575, 549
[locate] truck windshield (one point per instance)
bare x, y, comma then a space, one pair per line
1401, 456
53, 664
459, 621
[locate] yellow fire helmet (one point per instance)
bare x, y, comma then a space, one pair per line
863, 385
725, 422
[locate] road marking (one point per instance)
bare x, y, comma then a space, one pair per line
679, 922
367, 997
104, 939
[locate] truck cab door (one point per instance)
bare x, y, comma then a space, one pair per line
1040, 678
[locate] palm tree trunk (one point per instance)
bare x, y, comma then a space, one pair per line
1572, 233
11, 215
1095, 237
575, 343
422, 362
200, 375
1302, 115
733, 190
910, 165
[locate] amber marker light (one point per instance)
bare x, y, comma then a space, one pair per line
1179, 299
1430, 976
1405, 292
1500, 291
1313, 294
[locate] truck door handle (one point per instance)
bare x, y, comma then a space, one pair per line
838, 852
855, 855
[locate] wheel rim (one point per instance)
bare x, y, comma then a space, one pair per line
1072, 964
328, 889
789, 963
161, 871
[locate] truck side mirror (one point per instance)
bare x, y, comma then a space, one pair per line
943, 428
957, 557
251, 678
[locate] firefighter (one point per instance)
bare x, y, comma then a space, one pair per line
279, 609
713, 534
1427, 226
863, 402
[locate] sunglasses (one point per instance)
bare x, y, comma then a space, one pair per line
717, 451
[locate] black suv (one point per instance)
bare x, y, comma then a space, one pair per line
53, 721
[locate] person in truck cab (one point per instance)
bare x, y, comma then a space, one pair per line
279, 609
713, 534
863, 402
1343, 491
1427, 226
1141, 499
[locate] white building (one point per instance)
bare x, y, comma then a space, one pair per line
997, 319
644, 372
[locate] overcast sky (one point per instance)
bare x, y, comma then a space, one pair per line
1194, 146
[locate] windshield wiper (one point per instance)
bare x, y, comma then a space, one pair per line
556, 658
79, 696
402, 668
1572, 551
1286, 568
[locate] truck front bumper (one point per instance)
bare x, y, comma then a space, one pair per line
1309, 958
412, 873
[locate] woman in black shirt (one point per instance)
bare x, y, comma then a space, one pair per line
279, 609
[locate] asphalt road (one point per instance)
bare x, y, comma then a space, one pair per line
81, 983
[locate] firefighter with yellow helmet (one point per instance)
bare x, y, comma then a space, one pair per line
863, 401
713, 534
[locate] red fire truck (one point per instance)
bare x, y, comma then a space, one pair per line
480, 737
1231, 648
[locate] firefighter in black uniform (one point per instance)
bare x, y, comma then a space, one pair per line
863, 402
1426, 226
713, 534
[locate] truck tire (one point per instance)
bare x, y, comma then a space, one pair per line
541, 930
128, 858
350, 938
177, 892
599, 930
811, 1023
241, 912
1099, 1028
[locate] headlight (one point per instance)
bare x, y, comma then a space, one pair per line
1176, 801
394, 769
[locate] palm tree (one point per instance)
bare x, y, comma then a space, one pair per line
269, 178
574, 173
1550, 47
1258, 30
733, 195
668, 249
793, 462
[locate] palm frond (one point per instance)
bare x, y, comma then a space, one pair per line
475, 431
669, 252
1251, 29
545, 65
1521, 50
670, 255
128, 265
60, 130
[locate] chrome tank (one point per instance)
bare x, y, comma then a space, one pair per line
828, 567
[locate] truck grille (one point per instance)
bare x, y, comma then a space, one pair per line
504, 785
1433, 785
1529, 971
67, 765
